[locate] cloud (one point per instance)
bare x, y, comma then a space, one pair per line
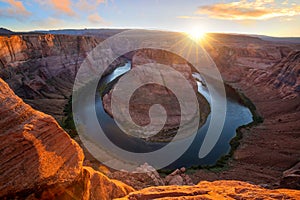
64, 6
96, 19
69, 7
60, 6
16, 9
248, 10
88, 5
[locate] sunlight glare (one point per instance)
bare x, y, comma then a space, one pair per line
197, 34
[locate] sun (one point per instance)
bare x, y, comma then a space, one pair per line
196, 33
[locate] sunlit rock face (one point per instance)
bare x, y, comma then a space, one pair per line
40, 161
35, 151
213, 190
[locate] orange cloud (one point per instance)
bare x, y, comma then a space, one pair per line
60, 6
96, 19
248, 10
64, 6
16, 9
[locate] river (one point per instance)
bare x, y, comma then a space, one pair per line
237, 115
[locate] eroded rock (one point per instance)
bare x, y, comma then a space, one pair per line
40, 161
213, 190
291, 178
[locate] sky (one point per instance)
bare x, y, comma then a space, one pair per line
265, 17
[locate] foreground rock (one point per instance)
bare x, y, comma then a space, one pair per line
178, 177
144, 176
39, 160
213, 190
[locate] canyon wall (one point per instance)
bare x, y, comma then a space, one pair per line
40, 161
41, 68
267, 73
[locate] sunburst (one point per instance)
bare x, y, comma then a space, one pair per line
196, 33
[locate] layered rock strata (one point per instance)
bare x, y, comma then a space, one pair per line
213, 190
40, 161
41, 68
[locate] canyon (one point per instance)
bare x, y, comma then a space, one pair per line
41, 68
40, 161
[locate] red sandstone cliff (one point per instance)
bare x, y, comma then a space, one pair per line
40, 161
41, 68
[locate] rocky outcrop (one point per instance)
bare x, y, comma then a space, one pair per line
213, 190
178, 177
146, 176
40, 161
142, 177
91, 185
158, 94
35, 151
286, 76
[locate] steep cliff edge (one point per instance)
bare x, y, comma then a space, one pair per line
41, 68
40, 161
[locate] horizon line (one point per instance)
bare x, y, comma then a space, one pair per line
146, 28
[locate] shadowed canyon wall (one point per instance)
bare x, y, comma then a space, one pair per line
41, 68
